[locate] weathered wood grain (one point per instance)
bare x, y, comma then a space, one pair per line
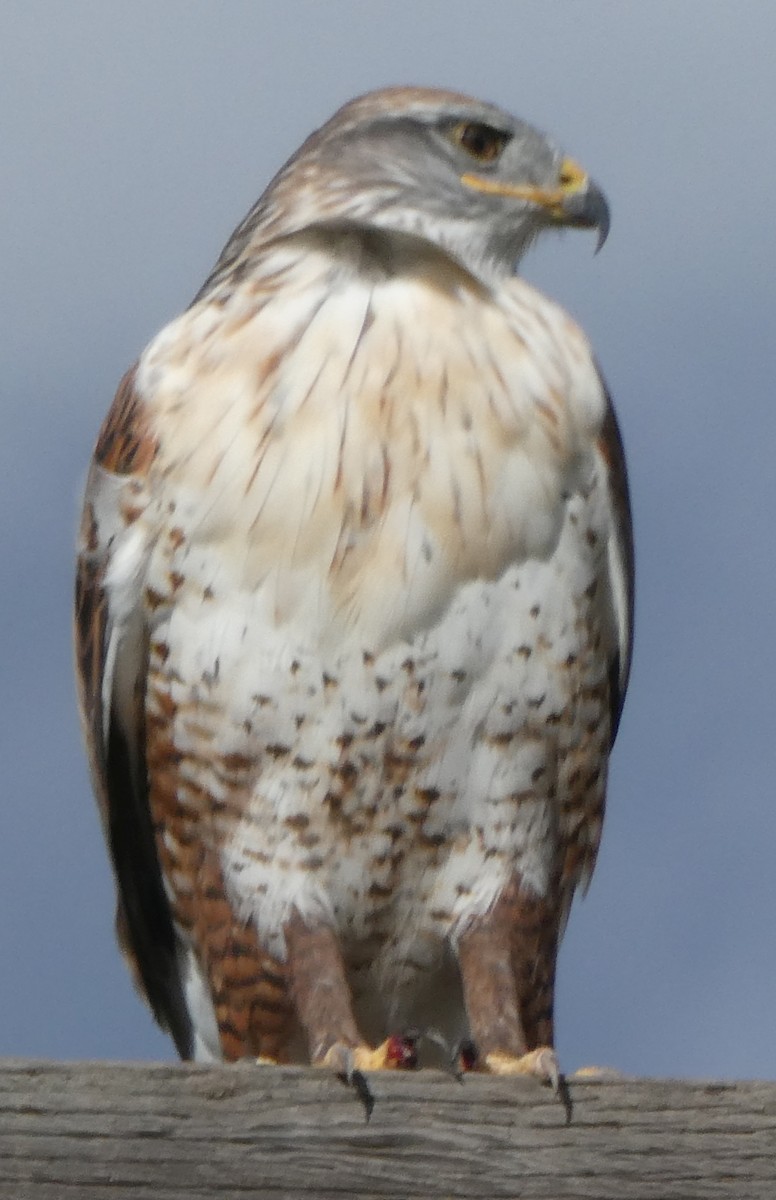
158, 1132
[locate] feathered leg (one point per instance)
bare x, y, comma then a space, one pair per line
324, 1009
507, 963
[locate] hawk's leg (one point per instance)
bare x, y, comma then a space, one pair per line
324, 1009
507, 962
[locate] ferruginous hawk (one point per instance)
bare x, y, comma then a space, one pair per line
354, 607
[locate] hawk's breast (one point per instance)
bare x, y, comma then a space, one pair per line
377, 597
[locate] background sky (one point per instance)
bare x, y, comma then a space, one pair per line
133, 137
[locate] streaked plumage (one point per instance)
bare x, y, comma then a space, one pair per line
354, 606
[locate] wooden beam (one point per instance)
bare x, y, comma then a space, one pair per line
83, 1131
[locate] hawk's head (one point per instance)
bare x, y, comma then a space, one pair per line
452, 170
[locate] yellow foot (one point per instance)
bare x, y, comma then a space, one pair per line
396, 1053
542, 1063
599, 1073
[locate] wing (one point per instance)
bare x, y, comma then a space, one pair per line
621, 559
111, 643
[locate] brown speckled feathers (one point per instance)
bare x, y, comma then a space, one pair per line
354, 607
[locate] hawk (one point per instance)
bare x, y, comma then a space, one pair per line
353, 611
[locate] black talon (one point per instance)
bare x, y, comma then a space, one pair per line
564, 1095
357, 1080
465, 1057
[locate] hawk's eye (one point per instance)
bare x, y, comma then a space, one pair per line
483, 142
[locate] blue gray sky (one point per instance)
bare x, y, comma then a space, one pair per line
133, 138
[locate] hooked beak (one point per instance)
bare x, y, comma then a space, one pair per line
576, 201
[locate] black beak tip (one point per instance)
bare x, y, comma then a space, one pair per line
589, 209
597, 212
602, 225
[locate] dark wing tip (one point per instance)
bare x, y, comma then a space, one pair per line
614, 453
